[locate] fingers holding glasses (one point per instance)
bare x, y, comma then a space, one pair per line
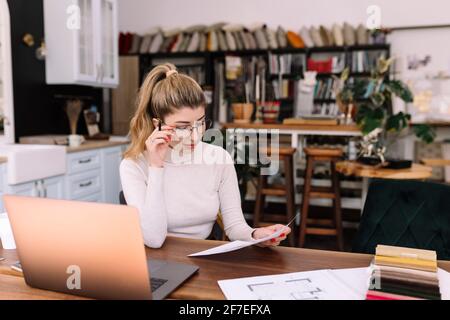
161, 136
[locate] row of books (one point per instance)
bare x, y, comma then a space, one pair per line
327, 62
404, 274
324, 89
365, 61
195, 72
237, 37
287, 63
283, 89
326, 109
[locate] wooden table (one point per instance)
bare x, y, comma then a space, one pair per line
298, 136
300, 129
436, 162
253, 261
416, 172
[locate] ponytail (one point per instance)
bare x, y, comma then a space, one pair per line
162, 92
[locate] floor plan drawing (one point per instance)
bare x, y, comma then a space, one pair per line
311, 285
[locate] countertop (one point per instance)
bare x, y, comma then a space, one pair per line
86, 146
96, 144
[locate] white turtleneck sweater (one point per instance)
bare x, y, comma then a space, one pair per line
183, 199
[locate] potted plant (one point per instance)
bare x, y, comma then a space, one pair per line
374, 115
240, 105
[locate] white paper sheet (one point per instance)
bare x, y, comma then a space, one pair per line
310, 285
341, 284
6, 234
236, 245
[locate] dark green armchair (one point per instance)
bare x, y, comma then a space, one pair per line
403, 213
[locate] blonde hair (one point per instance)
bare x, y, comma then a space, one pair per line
164, 90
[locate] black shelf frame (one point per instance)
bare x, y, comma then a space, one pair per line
206, 54
209, 59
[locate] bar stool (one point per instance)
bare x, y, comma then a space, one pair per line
323, 227
287, 190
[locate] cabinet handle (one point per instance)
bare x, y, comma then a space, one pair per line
85, 161
44, 190
84, 185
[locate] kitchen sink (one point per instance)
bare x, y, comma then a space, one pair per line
33, 162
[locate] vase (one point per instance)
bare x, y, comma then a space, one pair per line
242, 112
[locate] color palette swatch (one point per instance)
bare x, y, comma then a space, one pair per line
404, 274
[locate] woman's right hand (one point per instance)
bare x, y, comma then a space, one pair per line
157, 146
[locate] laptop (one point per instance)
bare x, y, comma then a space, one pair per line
88, 249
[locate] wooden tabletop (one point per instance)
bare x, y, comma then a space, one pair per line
416, 172
96, 144
302, 127
436, 162
253, 261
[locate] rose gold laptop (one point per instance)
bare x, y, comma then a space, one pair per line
88, 249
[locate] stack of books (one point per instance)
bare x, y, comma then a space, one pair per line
404, 274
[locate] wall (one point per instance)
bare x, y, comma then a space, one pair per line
140, 15
35, 107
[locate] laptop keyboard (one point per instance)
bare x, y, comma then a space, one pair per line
157, 283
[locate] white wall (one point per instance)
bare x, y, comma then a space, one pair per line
141, 15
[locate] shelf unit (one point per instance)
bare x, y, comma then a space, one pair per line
209, 57
298, 139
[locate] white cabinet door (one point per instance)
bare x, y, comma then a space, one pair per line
108, 44
29, 189
86, 66
6, 82
53, 188
2, 185
111, 159
96, 197
82, 42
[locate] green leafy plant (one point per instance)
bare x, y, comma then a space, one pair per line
374, 96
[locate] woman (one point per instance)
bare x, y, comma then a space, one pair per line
178, 183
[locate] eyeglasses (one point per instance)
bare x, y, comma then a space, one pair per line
199, 126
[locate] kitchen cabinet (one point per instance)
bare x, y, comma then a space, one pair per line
94, 175
6, 83
91, 176
46, 188
2, 186
82, 42
83, 184
53, 188
83, 176
111, 158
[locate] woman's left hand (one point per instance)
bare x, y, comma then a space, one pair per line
267, 231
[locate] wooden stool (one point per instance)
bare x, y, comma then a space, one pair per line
287, 190
334, 226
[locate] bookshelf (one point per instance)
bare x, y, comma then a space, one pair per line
202, 66
209, 64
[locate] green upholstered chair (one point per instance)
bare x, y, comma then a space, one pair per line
403, 213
